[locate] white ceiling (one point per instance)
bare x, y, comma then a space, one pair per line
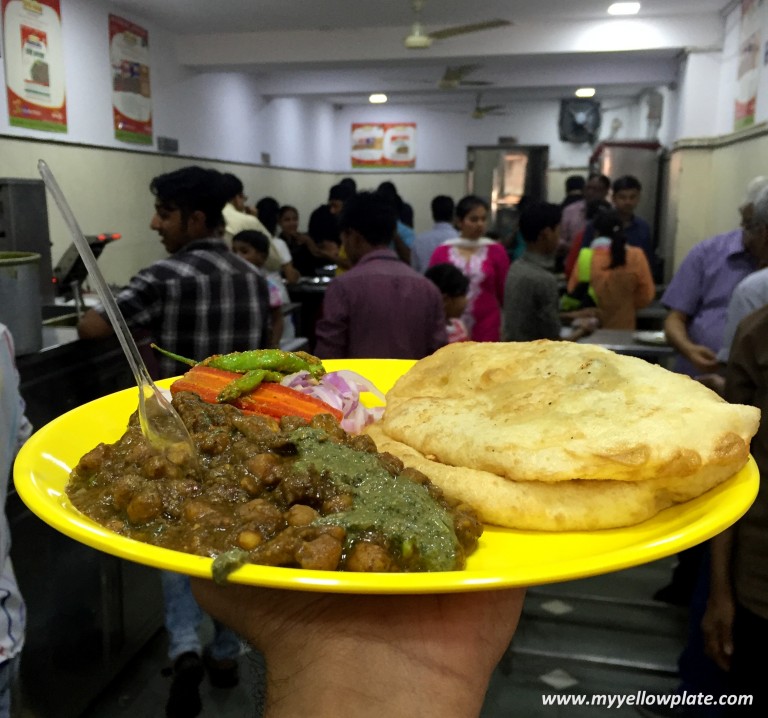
340, 50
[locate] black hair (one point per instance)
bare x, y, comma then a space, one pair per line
443, 208
388, 190
596, 205
268, 209
192, 189
536, 217
232, 185
603, 179
258, 240
340, 192
468, 203
449, 279
349, 183
286, 208
369, 214
626, 182
608, 224
574, 182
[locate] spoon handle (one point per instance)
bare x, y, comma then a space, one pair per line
152, 403
105, 294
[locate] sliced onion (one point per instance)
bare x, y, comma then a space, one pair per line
341, 390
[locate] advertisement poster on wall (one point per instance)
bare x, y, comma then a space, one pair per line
390, 144
748, 76
131, 96
34, 64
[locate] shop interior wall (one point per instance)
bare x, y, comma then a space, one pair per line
706, 184
109, 191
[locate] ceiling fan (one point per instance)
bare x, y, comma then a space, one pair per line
481, 111
418, 39
453, 77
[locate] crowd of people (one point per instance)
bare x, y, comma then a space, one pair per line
398, 294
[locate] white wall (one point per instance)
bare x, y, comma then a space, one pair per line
226, 120
225, 116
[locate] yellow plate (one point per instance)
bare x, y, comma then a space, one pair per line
504, 558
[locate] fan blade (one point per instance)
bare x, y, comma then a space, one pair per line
464, 29
474, 83
456, 73
489, 108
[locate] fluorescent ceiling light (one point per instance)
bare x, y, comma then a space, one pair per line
585, 92
377, 98
624, 8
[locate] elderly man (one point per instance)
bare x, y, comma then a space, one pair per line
698, 295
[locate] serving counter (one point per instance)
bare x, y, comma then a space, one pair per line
632, 343
87, 613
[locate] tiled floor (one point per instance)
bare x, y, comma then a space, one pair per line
600, 635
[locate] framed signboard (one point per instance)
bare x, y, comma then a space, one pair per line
389, 144
131, 95
34, 64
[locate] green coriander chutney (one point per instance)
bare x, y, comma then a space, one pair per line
396, 507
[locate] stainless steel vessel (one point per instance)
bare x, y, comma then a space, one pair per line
20, 308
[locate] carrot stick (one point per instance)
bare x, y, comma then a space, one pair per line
269, 399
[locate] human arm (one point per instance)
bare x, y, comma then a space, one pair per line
287, 270
573, 253
290, 273
676, 332
93, 325
320, 253
429, 655
717, 622
743, 381
140, 303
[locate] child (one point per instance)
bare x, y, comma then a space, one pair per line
453, 284
253, 246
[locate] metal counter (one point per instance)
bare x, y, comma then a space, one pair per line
88, 613
623, 341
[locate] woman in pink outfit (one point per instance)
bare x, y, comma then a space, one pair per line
484, 261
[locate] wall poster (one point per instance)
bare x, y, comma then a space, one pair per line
748, 75
390, 145
34, 64
131, 97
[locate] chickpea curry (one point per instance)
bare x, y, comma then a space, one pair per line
291, 492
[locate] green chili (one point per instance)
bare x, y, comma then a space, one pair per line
247, 383
275, 360
256, 366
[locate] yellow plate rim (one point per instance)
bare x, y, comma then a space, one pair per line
670, 531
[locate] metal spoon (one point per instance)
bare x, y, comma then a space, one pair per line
160, 423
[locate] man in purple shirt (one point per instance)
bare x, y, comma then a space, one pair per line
698, 295
697, 299
381, 308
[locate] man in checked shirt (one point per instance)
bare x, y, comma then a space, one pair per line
203, 299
